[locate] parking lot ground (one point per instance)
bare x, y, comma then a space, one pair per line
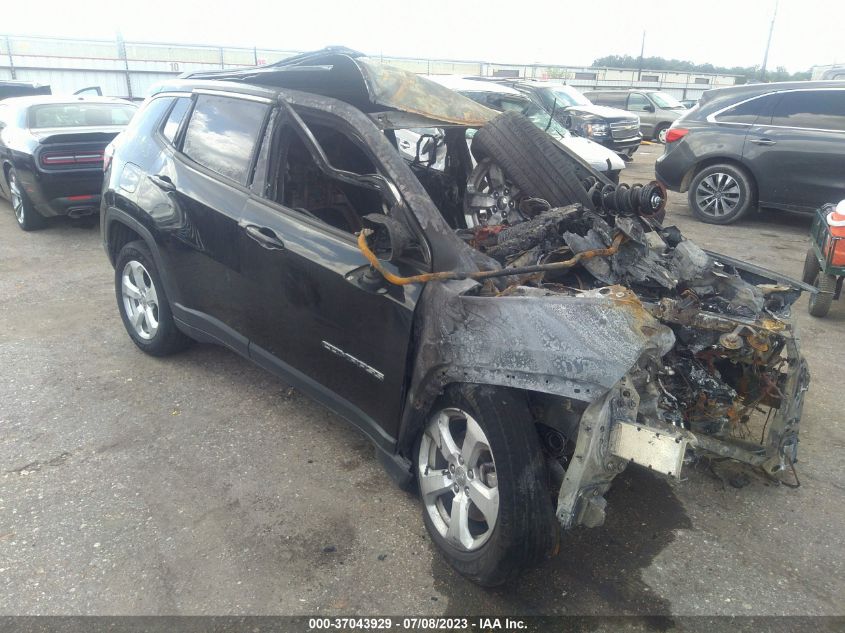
200, 484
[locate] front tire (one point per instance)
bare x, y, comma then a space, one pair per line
660, 133
28, 218
720, 194
143, 304
482, 482
538, 166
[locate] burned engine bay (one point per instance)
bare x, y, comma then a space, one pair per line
729, 359
693, 353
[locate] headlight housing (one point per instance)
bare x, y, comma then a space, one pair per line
596, 129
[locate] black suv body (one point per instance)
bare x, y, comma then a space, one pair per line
614, 128
497, 319
779, 145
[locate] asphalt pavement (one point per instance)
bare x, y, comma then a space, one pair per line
199, 484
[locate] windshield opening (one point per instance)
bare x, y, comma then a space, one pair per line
523, 105
665, 100
567, 96
79, 114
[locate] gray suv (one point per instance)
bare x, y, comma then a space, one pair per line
657, 110
779, 145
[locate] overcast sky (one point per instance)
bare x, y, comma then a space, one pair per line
721, 32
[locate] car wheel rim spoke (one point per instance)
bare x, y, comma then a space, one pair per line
458, 531
17, 199
457, 478
445, 442
140, 299
718, 194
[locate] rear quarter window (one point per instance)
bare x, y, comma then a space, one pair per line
749, 112
222, 134
175, 117
817, 109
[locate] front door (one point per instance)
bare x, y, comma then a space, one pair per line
312, 318
640, 104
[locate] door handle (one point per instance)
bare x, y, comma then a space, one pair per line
404, 145
763, 141
265, 237
162, 182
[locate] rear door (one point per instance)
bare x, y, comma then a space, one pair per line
798, 155
312, 317
207, 184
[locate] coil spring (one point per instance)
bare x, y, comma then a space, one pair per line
643, 200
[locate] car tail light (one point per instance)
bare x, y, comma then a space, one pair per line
69, 158
676, 134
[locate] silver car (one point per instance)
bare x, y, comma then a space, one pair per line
657, 110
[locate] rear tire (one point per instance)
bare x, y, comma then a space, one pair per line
28, 218
509, 463
529, 157
143, 304
720, 194
820, 302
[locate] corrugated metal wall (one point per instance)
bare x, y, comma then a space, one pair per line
132, 68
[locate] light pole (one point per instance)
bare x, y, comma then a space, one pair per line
642, 50
768, 43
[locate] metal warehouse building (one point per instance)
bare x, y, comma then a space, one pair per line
130, 69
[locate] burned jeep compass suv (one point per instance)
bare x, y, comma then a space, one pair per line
509, 328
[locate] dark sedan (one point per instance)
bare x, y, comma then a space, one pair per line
778, 145
51, 154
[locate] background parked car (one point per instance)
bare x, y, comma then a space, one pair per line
51, 153
689, 103
616, 129
505, 99
779, 145
657, 110
10, 89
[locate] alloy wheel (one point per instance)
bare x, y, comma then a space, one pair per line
17, 198
718, 194
140, 299
458, 481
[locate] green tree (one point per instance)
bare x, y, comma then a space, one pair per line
746, 74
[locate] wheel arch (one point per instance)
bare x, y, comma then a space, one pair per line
720, 160
415, 417
119, 229
5, 169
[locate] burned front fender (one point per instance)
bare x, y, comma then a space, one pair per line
572, 346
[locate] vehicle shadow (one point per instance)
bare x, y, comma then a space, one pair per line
597, 571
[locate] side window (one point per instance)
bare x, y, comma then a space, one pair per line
146, 119
821, 109
749, 111
222, 134
301, 185
637, 102
174, 119
617, 100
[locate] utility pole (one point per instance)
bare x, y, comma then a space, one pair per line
642, 50
768, 43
